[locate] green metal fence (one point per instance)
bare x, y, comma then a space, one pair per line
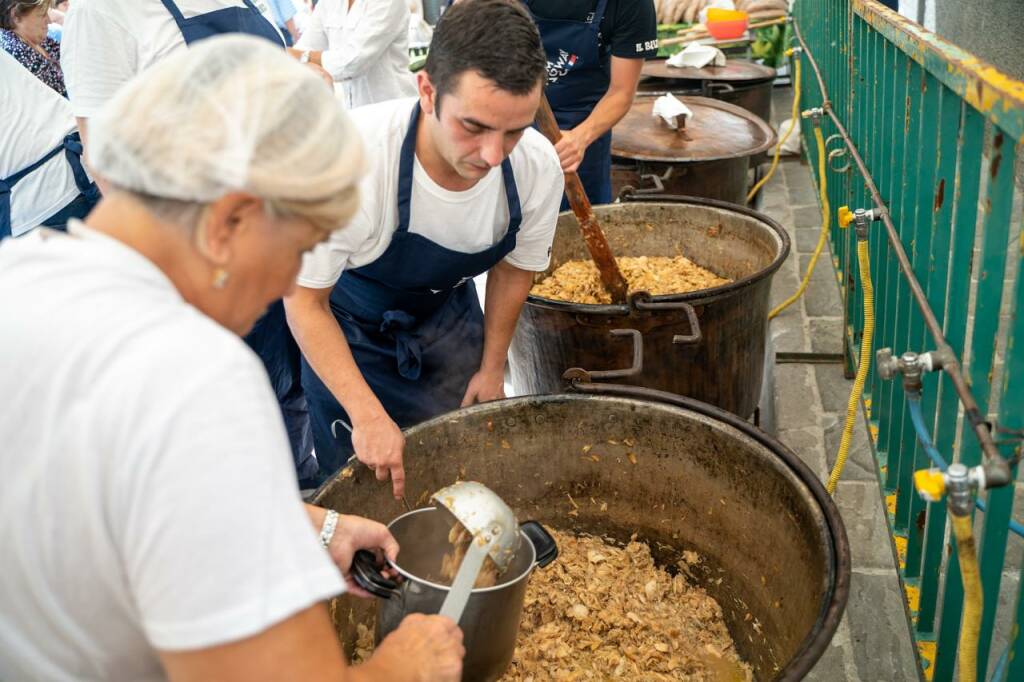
940, 133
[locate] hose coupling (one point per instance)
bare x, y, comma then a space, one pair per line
911, 365
793, 51
861, 218
814, 114
958, 483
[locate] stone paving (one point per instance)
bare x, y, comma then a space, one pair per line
873, 641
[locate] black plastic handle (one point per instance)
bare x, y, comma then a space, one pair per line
544, 545
366, 573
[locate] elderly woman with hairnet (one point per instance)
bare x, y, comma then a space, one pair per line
132, 400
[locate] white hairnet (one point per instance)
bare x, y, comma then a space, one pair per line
233, 113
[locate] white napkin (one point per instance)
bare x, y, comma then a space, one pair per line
697, 56
670, 108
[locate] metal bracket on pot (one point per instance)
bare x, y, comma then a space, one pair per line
578, 374
657, 180
641, 301
711, 87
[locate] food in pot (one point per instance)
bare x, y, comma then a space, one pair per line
578, 281
601, 611
460, 539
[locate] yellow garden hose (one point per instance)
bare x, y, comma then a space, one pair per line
864, 263
826, 213
970, 629
792, 127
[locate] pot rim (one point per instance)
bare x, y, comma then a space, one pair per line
476, 590
701, 296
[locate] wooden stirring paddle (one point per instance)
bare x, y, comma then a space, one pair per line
604, 259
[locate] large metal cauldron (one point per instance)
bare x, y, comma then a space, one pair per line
719, 360
774, 549
709, 157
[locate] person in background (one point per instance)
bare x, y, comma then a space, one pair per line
364, 45
23, 35
125, 555
42, 178
596, 50
459, 184
106, 44
284, 16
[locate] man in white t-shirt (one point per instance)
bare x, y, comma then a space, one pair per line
42, 180
459, 184
364, 45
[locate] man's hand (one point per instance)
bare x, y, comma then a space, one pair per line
422, 648
485, 385
571, 149
378, 443
354, 533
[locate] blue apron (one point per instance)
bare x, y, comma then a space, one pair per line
225, 20
412, 320
88, 195
270, 337
577, 80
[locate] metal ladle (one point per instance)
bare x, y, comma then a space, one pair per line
494, 530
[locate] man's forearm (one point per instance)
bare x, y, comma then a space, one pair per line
324, 345
507, 288
607, 112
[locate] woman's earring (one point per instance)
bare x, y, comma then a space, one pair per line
220, 278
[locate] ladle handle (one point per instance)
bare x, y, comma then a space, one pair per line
600, 252
366, 574
544, 546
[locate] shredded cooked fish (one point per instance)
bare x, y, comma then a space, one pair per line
601, 611
460, 538
578, 280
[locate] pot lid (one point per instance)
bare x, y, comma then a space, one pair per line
717, 130
735, 70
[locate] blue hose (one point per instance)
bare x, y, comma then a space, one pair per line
1000, 669
917, 417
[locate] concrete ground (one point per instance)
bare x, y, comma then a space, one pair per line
873, 641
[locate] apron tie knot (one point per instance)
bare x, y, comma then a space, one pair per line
397, 324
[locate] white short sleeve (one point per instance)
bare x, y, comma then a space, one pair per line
542, 198
98, 55
213, 472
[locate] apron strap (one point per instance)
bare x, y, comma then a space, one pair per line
73, 154
179, 18
599, 14
7, 185
405, 165
515, 209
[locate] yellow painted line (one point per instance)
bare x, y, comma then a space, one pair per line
890, 503
901, 550
913, 598
927, 653
873, 430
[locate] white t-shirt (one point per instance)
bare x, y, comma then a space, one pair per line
107, 42
36, 120
149, 499
467, 222
366, 48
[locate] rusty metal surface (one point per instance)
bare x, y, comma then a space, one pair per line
725, 368
725, 180
774, 549
735, 71
717, 130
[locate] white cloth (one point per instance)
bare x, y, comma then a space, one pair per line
149, 498
697, 56
670, 109
467, 221
107, 42
36, 120
365, 48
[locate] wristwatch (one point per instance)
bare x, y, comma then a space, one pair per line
304, 58
327, 530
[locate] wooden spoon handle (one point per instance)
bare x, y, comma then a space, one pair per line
602, 254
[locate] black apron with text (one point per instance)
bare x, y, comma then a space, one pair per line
412, 320
577, 80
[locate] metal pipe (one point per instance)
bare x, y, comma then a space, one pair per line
996, 467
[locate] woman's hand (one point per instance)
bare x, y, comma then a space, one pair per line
354, 533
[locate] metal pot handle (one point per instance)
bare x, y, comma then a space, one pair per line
585, 375
366, 574
641, 300
657, 180
710, 87
544, 545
